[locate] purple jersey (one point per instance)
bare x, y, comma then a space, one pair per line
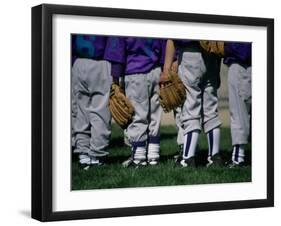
134, 55
88, 46
183, 45
179, 43
163, 51
237, 52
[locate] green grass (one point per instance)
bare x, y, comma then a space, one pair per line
113, 175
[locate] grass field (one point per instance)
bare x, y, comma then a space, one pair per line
113, 175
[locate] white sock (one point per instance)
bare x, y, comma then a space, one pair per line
213, 141
190, 143
140, 154
153, 151
84, 159
238, 153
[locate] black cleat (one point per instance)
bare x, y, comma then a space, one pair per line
190, 162
178, 157
232, 164
215, 161
134, 163
85, 163
153, 162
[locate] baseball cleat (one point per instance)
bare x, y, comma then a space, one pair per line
86, 161
178, 157
134, 163
232, 164
128, 162
85, 167
214, 161
153, 162
190, 162
139, 164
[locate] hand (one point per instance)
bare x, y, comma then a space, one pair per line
163, 78
174, 67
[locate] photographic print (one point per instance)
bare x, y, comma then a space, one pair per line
140, 112
159, 112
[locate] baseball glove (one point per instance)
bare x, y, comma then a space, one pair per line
215, 47
172, 92
120, 107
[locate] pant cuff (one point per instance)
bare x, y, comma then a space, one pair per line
154, 139
81, 151
240, 142
191, 128
195, 130
211, 124
99, 153
139, 144
239, 137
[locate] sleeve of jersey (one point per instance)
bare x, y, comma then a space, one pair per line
115, 53
241, 51
163, 52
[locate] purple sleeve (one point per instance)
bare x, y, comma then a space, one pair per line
117, 69
241, 51
182, 43
177, 53
115, 52
163, 51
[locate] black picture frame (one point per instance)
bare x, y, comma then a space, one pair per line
42, 107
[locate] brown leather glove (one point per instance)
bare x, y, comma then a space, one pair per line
172, 92
120, 107
215, 47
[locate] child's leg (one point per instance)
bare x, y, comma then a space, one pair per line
137, 92
100, 81
239, 82
180, 134
191, 70
154, 117
211, 121
190, 143
81, 124
74, 108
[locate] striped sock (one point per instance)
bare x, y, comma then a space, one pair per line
153, 150
139, 151
190, 143
213, 141
238, 153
